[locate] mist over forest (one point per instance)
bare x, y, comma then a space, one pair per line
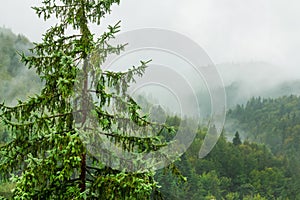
245, 80
16, 80
257, 156
242, 80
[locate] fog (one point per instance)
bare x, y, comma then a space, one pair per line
254, 43
229, 30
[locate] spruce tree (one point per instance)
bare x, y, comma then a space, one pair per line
236, 140
48, 156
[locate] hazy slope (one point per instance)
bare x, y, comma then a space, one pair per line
245, 80
16, 81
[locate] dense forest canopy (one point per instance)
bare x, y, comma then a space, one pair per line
274, 122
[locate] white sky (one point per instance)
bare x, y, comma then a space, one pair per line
228, 30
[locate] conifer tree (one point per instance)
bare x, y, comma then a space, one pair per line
236, 140
48, 157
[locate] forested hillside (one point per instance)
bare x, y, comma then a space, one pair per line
16, 81
233, 170
275, 123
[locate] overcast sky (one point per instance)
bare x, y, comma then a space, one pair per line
228, 30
